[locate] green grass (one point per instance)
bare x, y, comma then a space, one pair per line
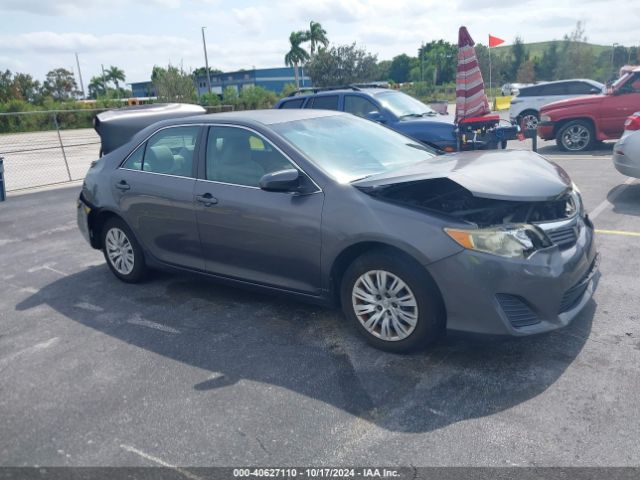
536, 49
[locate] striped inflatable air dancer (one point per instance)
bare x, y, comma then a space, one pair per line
471, 100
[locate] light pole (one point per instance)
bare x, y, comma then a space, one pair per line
206, 60
80, 76
613, 51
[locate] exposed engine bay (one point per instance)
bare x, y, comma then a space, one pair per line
444, 196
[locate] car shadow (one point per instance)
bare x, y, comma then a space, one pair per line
600, 149
239, 335
625, 198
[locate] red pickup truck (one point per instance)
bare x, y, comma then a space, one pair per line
578, 122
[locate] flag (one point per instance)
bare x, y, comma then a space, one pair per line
494, 41
471, 101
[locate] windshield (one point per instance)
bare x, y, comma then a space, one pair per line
619, 82
402, 105
349, 148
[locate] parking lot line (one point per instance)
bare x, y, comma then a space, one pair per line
161, 462
609, 201
618, 232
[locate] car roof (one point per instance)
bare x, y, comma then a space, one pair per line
265, 117
587, 80
323, 93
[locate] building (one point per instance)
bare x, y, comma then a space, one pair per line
273, 79
143, 89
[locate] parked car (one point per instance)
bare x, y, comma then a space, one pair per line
339, 210
395, 109
525, 107
578, 122
626, 152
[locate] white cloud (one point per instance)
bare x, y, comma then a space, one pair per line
77, 7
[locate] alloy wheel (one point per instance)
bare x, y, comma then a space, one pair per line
385, 305
530, 121
576, 137
119, 251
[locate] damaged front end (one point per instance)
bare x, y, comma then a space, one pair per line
508, 228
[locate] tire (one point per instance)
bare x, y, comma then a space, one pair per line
122, 251
407, 328
575, 136
529, 119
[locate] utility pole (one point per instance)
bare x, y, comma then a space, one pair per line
421, 52
80, 77
206, 60
104, 81
613, 51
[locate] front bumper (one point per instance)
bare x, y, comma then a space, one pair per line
546, 130
488, 294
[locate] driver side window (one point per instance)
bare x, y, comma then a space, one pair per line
359, 106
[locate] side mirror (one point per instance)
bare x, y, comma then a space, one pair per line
375, 116
595, 90
281, 181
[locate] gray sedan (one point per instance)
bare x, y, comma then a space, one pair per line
339, 210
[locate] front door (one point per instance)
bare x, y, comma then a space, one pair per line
269, 238
616, 108
154, 188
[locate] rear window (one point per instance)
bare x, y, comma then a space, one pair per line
324, 102
296, 103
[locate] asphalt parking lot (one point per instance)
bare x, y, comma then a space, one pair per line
182, 371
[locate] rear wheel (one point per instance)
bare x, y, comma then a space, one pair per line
529, 120
392, 302
122, 251
575, 136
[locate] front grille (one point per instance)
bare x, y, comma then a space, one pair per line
517, 311
574, 294
563, 237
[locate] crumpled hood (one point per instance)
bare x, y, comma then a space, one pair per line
573, 102
517, 175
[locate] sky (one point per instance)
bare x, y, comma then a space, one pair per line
40, 35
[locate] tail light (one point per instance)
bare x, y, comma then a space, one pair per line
632, 123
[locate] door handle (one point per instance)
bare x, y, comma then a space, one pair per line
122, 185
207, 199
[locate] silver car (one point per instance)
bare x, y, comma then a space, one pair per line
626, 152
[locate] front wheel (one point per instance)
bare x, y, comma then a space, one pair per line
392, 301
529, 120
122, 251
575, 136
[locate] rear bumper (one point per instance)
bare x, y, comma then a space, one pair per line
82, 215
493, 295
546, 130
626, 166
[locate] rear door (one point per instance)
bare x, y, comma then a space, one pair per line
268, 238
154, 190
550, 93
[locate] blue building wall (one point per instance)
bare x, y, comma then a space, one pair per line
273, 79
143, 89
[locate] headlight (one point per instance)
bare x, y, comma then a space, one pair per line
576, 198
513, 241
545, 118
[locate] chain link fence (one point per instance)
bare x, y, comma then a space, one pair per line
50, 147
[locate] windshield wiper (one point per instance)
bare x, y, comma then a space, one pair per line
423, 114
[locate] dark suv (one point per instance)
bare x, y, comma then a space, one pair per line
392, 108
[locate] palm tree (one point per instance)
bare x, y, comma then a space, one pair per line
115, 75
316, 35
297, 54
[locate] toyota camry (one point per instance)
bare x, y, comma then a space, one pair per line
342, 211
